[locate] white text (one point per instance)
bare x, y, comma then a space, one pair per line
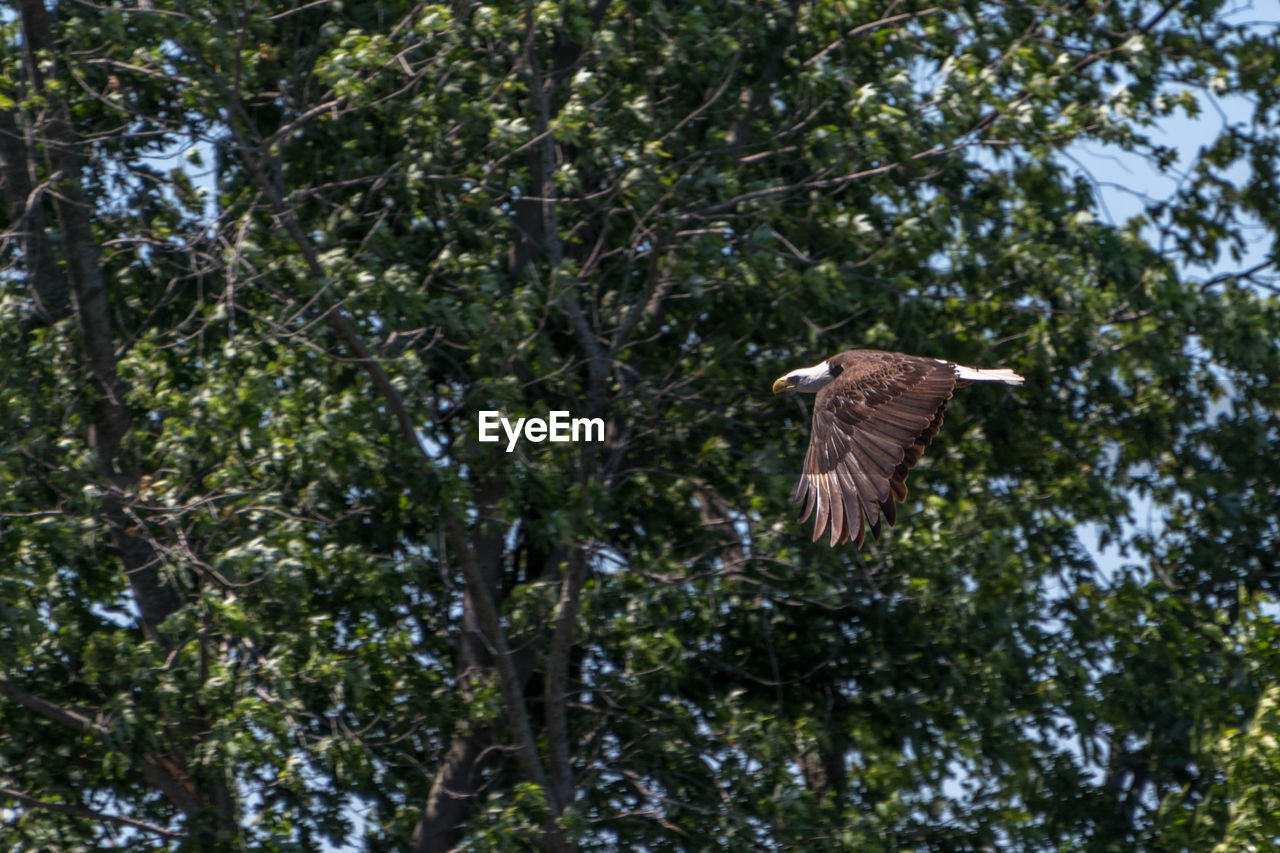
560, 427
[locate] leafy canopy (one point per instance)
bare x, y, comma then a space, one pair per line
265, 265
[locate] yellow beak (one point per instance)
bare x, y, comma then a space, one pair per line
782, 384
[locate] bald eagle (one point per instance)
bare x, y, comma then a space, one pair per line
874, 415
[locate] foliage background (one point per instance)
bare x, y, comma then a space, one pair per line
264, 590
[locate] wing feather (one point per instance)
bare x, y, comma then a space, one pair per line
890, 508
870, 426
825, 498
884, 447
848, 485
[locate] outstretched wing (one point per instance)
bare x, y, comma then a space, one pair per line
870, 426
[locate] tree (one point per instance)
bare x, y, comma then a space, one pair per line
268, 590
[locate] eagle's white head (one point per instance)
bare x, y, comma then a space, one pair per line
809, 380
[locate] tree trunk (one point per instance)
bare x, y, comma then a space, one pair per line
211, 807
156, 598
25, 207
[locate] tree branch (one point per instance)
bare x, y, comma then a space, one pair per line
334, 315
508, 681
50, 711
558, 676
887, 21
156, 599
159, 770
758, 95
87, 814
26, 217
455, 783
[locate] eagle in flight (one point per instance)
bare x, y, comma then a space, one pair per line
874, 415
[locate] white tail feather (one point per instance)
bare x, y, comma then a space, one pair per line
998, 374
